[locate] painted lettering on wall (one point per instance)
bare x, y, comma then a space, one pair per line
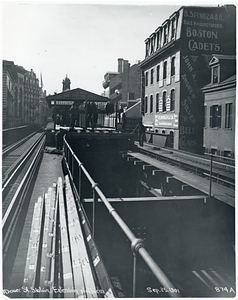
187, 130
204, 33
202, 24
188, 63
194, 45
201, 33
203, 15
189, 115
188, 86
166, 120
185, 143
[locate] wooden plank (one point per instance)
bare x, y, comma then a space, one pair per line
155, 172
33, 257
53, 250
106, 289
67, 272
49, 241
138, 162
45, 239
147, 167
130, 158
83, 277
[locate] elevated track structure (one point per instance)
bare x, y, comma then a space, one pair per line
147, 227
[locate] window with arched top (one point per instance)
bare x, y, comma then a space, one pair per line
172, 99
164, 101
151, 103
165, 70
146, 79
157, 72
157, 102
151, 76
173, 66
146, 104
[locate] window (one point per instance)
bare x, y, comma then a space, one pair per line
151, 103
146, 104
147, 49
173, 28
215, 74
228, 117
164, 101
157, 102
165, 70
151, 76
152, 45
173, 66
166, 29
157, 73
172, 99
215, 116
158, 40
146, 79
205, 116
227, 153
214, 151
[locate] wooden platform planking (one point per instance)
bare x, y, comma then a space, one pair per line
45, 238
83, 277
49, 241
219, 191
106, 288
51, 278
67, 272
33, 255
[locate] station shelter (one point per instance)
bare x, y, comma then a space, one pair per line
61, 103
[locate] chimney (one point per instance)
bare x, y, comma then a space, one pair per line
120, 65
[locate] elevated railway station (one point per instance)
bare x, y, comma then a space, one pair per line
101, 217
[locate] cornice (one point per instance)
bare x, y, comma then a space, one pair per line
157, 53
219, 87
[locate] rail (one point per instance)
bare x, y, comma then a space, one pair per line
137, 245
11, 214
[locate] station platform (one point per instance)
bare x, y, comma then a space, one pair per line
49, 171
218, 191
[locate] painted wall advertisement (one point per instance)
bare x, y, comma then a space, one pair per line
202, 32
166, 120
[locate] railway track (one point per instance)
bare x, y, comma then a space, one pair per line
220, 172
19, 166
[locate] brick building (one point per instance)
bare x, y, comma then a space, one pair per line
176, 67
124, 85
220, 107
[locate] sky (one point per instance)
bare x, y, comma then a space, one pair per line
82, 40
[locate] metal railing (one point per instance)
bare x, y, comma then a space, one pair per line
137, 245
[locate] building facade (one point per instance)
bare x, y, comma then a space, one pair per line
220, 107
124, 85
176, 67
9, 77
21, 96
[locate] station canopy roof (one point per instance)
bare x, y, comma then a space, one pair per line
77, 95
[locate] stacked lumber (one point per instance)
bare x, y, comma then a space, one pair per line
62, 259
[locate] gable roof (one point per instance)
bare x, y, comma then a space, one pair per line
77, 94
219, 57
